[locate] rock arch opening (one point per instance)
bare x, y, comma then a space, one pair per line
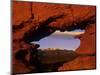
61, 40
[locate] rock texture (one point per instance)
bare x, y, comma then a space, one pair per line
56, 56
80, 63
34, 21
88, 41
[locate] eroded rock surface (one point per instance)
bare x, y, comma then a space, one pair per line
80, 63
88, 41
56, 56
34, 21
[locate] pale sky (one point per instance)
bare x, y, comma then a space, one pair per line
61, 40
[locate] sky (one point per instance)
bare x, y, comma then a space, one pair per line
61, 40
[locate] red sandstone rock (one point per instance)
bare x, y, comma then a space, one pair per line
21, 12
31, 20
71, 13
88, 41
21, 68
80, 63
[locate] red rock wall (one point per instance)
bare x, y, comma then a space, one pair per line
30, 18
87, 51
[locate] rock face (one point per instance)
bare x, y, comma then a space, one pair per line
34, 21
87, 51
56, 56
80, 63
88, 41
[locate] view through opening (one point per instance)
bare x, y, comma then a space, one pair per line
61, 40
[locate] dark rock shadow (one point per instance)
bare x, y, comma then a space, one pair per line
51, 60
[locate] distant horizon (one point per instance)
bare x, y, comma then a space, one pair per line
61, 40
